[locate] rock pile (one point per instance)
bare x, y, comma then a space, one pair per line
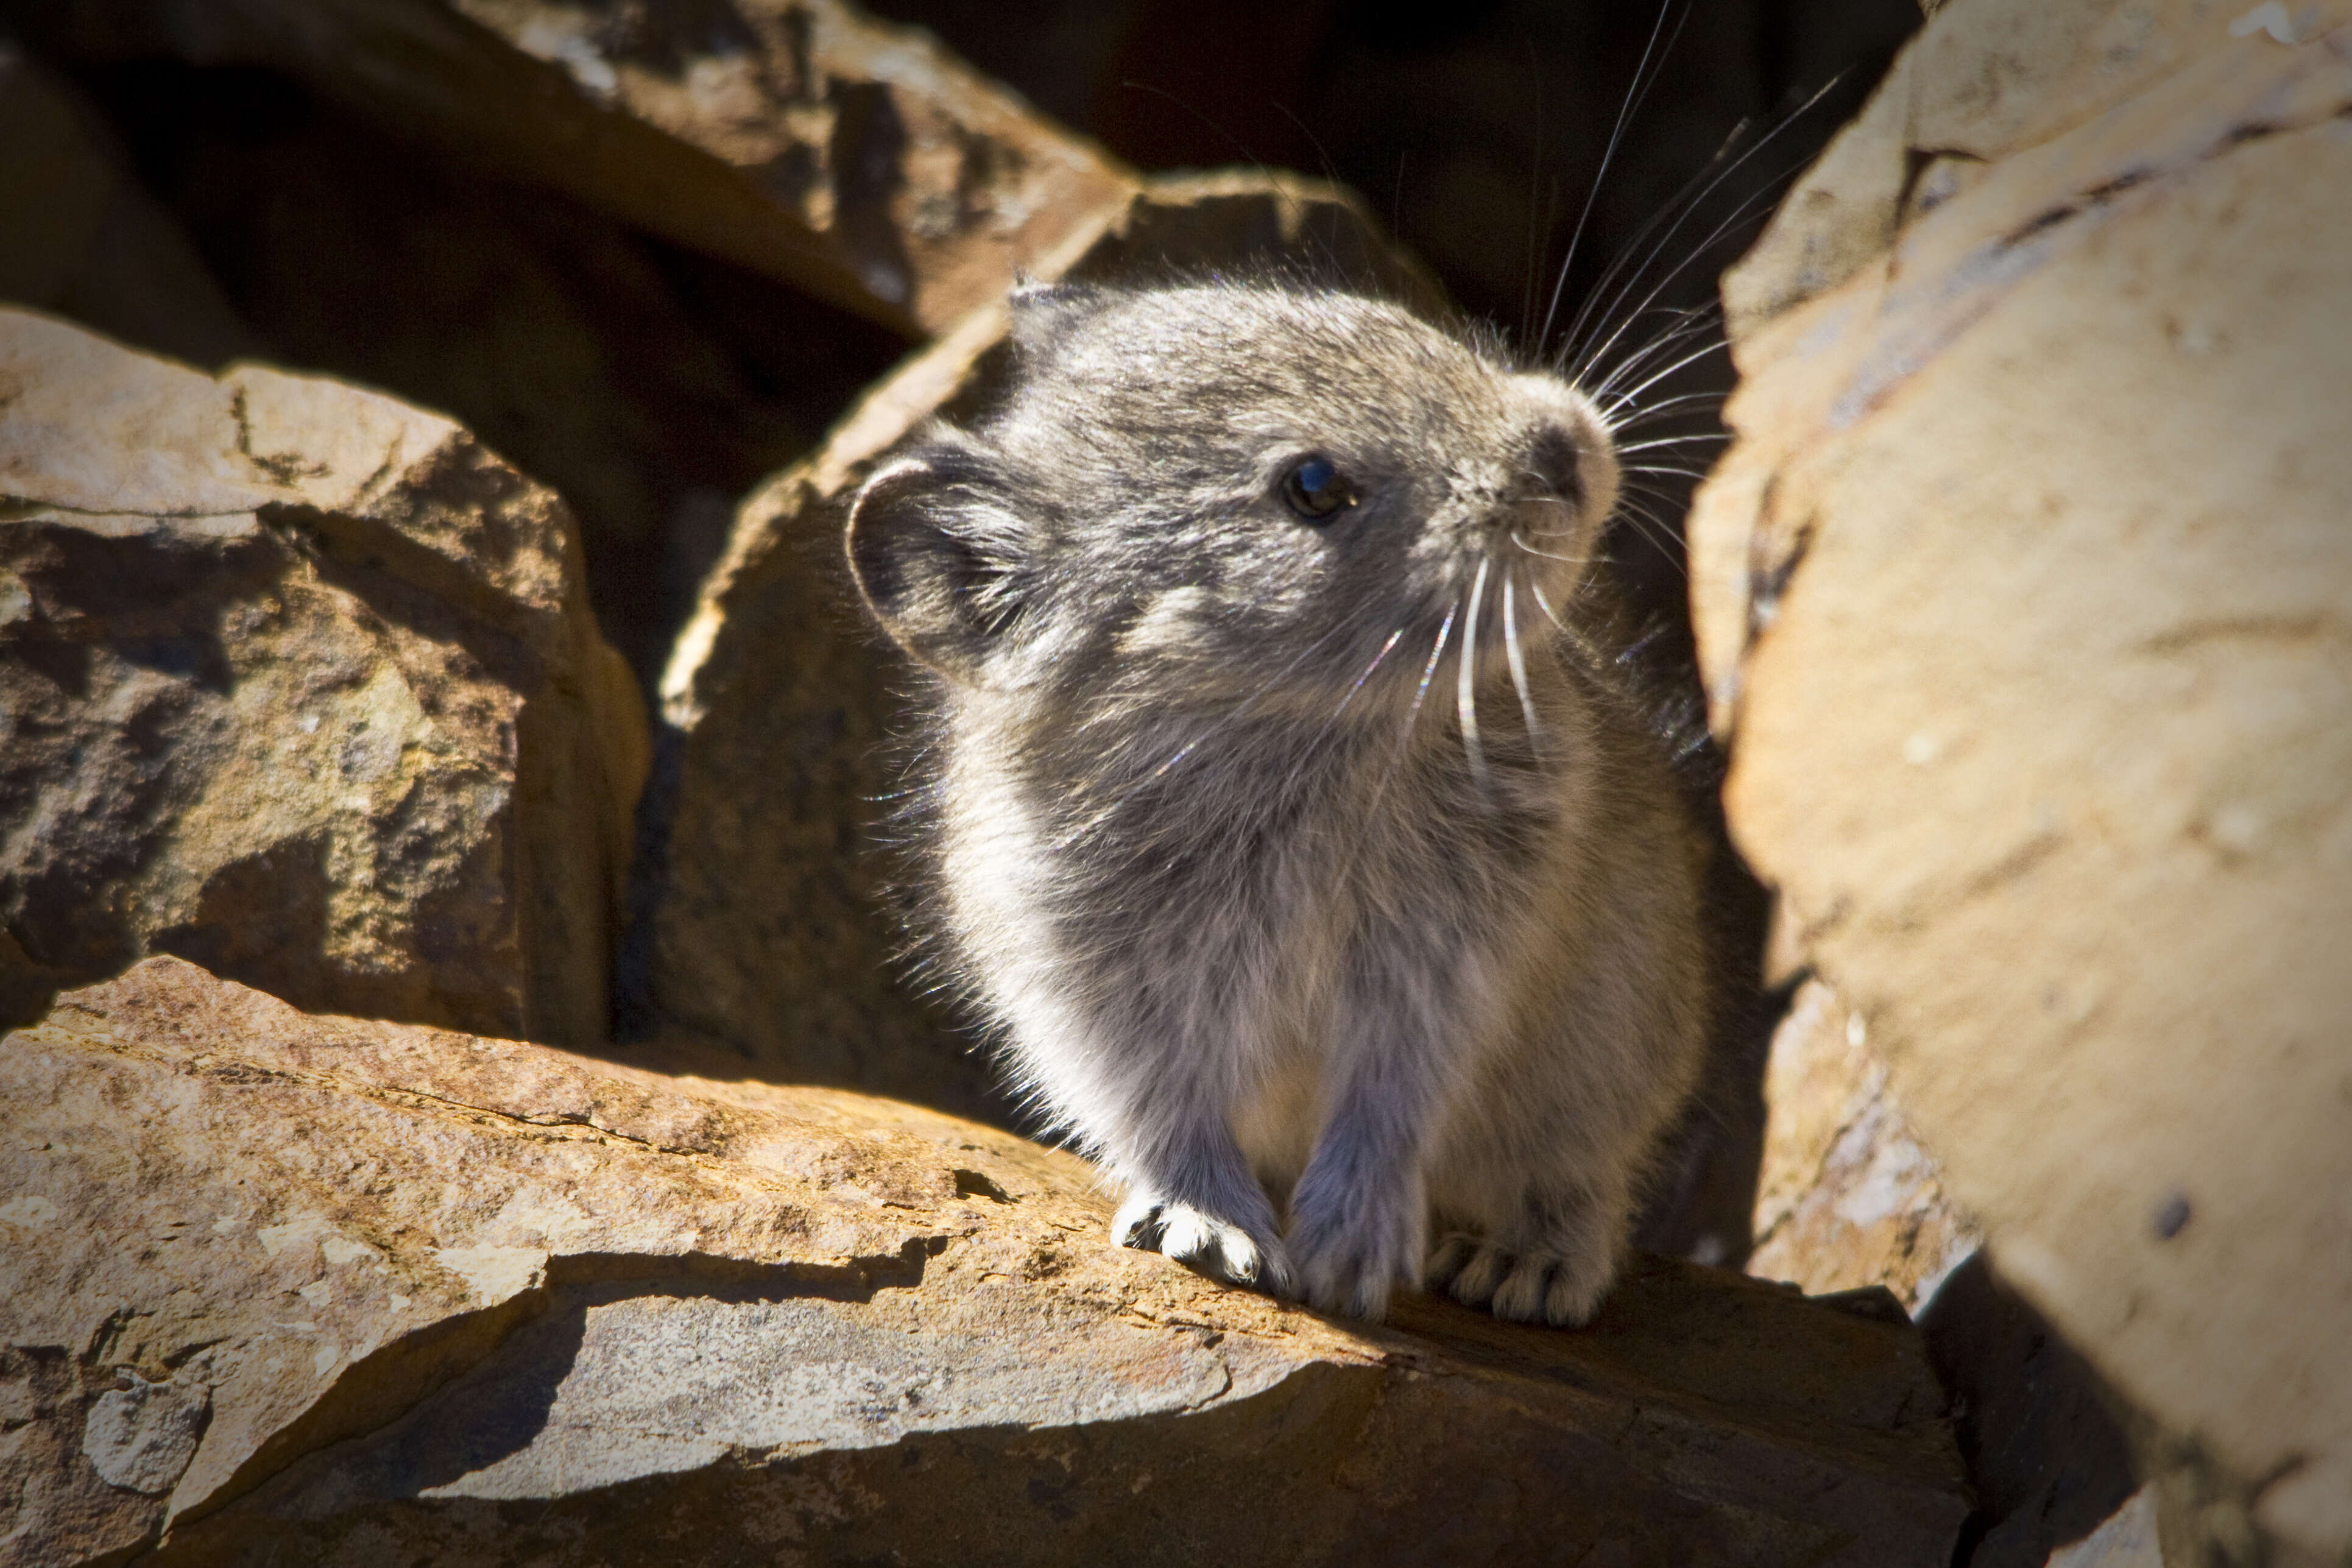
2020, 598
861, 161
303, 689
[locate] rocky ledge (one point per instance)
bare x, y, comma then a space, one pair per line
323, 1290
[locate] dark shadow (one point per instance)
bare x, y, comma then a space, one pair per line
2043, 1447
112, 694
462, 1394
262, 922
869, 141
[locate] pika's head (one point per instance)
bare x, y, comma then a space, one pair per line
1199, 494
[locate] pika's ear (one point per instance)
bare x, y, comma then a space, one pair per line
938, 553
1044, 314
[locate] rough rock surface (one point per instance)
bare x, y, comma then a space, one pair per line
799, 138
296, 681
1846, 1197
759, 927
326, 1290
2021, 596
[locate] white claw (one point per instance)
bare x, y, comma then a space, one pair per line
1200, 1241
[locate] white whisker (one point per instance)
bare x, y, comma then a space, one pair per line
1518, 664
1769, 189
1545, 605
1625, 112
1358, 683
1665, 539
1653, 412
1466, 680
1330, 725
1631, 447
1548, 555
1626, 399
1436, 652
1666, 341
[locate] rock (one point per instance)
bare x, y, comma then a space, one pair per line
798, 138
2124, 1539
762, 926
85, 240
297, 682
2021, 600
418, 1296
648, 386
1236, 217
1846, 1198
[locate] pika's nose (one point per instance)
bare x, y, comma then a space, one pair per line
1551, 463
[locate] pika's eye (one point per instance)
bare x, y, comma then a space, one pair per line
1317, 490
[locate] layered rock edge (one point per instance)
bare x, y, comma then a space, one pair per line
316, 1284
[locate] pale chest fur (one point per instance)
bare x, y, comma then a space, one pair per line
1216, 889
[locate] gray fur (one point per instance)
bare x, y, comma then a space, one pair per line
1357, 975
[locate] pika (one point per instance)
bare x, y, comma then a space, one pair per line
1277, 802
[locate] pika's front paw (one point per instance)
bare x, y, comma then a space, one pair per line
1563, 1290
1352, 1254
1198, 1240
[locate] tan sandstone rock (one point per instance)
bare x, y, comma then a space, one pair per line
766, 932
799, 138
1847, 1197
2022, 598
297, 681
280, 1286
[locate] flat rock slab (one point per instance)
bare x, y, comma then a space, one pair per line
308, 1289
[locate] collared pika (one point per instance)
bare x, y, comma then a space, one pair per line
1278, 805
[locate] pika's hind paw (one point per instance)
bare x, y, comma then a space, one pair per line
1216, 1247
1563, 1290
